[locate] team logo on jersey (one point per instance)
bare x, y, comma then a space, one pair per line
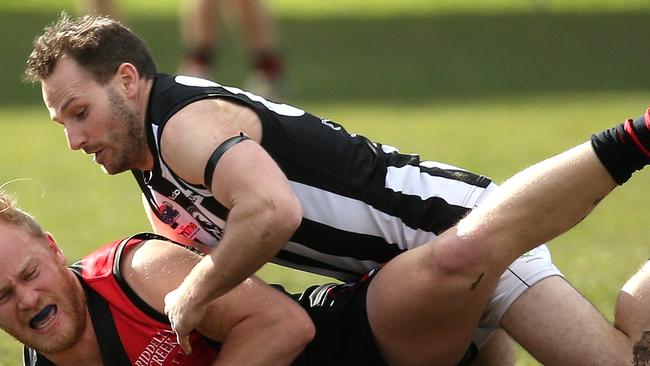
168, 214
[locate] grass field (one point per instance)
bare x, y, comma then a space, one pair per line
491, 87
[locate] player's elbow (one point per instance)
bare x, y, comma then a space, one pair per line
287, 216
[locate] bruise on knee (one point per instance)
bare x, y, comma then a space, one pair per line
641, 350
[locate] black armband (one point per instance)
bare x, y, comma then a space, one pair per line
216, 155
625, 148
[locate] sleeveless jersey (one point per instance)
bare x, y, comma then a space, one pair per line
364, 202
128, 330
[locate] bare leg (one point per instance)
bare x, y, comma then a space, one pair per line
558, 326
459, 270
267, 65
633, 314
258, 25
199, 27
99, 7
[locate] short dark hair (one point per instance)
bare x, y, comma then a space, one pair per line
98, 44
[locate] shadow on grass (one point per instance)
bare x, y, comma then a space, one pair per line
408, 60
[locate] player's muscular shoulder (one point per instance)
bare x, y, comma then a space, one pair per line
223, 119
193, 133
154, 268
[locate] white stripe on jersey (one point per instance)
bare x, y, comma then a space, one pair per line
356, 216
410, 180
346, 263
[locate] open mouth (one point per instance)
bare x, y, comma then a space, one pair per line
43, 318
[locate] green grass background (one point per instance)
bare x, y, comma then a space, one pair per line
491, 85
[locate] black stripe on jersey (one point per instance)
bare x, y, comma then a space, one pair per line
108, 339
400, 160
326, 239
352, 166
301, 260
433, 214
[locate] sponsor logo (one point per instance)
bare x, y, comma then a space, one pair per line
189, 230
168, 214
161, 350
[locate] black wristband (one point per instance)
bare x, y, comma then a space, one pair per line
624, 148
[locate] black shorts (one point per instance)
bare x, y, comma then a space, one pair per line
343, 333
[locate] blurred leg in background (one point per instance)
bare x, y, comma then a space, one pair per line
200, 22
98, 7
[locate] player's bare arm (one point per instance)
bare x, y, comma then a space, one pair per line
256, 324
264, 211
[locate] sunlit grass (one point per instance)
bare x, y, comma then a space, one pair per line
491, 86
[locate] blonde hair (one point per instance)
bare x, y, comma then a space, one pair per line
10, 213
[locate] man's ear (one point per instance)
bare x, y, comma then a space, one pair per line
54, 247
127, 77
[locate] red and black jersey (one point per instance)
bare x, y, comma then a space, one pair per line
128, 330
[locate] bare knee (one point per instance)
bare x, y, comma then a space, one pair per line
461, 257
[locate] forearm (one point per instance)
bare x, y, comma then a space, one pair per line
541, 202
270, 344
632, 315
257, 325
253, 235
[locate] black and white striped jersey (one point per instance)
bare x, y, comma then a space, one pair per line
364, 202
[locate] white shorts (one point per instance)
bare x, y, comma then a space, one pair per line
526, 271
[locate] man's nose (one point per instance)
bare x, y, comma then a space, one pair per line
76, 138
27, 297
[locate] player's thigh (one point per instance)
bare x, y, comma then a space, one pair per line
419, 312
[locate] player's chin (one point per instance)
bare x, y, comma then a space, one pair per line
113, 169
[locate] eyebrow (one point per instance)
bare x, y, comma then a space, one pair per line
26, 266
21, 273
66, 103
